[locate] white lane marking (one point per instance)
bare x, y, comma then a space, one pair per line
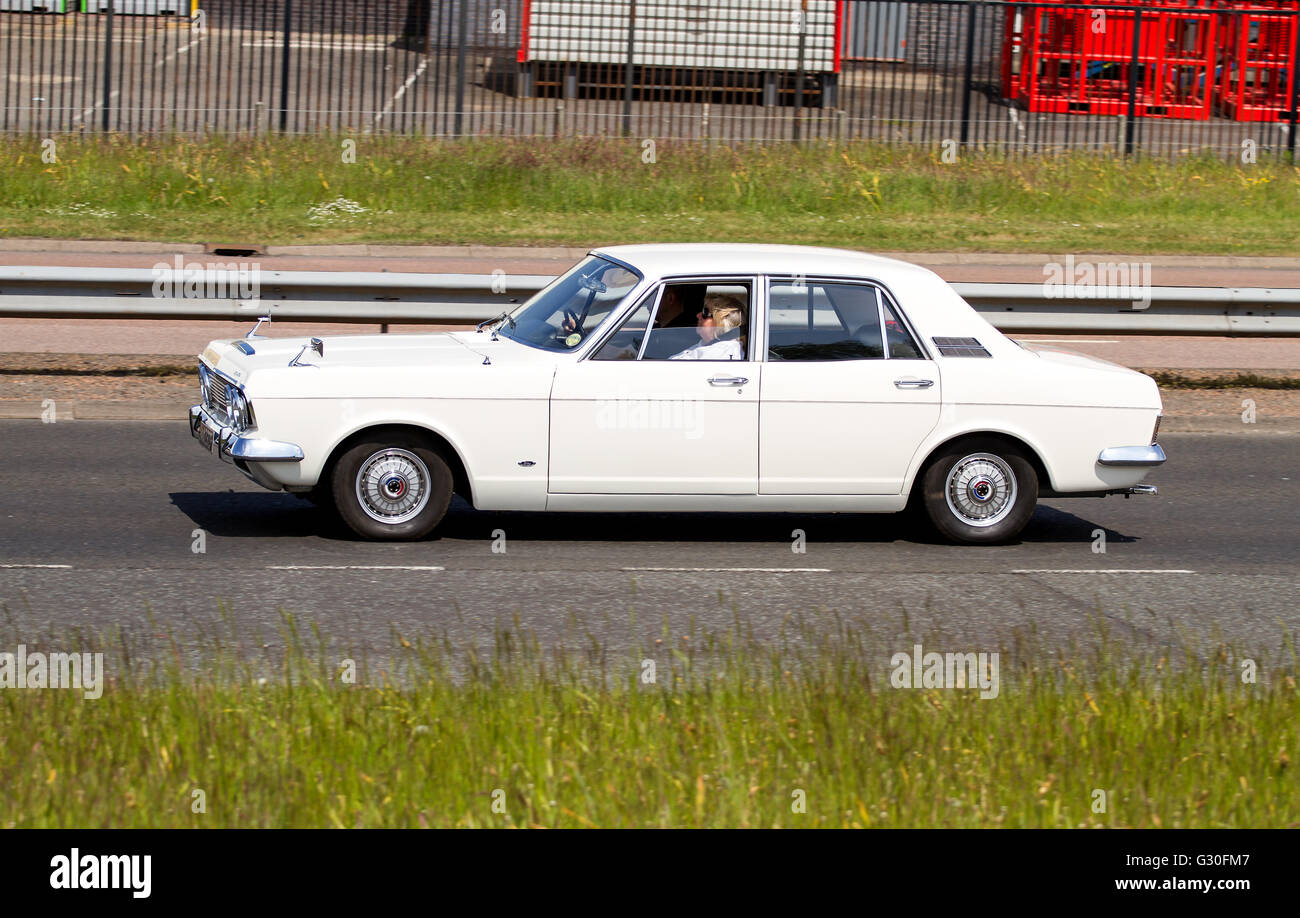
183, 49
352, 567
61, 567
737, 570
1104, 571
306, 44
419, 71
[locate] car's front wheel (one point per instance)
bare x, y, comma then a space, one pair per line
392, 487
980, 491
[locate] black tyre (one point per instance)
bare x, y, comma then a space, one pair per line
392, 487
980, 491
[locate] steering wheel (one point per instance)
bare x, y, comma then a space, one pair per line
574, 323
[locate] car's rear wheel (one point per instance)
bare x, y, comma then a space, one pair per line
980, 491
392, 487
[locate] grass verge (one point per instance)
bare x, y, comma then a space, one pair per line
730, 733
592, 191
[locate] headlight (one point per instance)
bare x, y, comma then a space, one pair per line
205, 386
241, 413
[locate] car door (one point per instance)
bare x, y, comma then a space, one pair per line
636, 416
848, 394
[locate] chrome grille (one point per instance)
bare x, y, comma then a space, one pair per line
216, 398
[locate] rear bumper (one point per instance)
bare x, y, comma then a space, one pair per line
1133, 456
246, 453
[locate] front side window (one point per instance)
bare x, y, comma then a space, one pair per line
625, 344
572, 307
701, 321
690, 321
816, 320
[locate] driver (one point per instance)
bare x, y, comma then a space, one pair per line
719, 325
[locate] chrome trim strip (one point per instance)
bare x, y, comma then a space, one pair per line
1132, 455
252, 449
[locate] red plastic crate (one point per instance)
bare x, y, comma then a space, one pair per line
1076, 59
1257, 47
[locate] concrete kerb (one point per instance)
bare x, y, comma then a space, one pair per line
507, 253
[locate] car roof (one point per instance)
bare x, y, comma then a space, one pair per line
931, 304
666, 259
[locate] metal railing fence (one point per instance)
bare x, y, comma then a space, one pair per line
1162, 77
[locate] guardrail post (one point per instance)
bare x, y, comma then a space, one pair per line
284, 67
1130, 123
108, 65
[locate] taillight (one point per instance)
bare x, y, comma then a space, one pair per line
1155, 432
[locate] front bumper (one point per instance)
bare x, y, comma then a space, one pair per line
1133, 456
246, 453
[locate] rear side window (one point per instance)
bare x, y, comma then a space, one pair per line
814, 320
902, 346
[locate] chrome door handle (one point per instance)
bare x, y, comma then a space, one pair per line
728, 380
913, 383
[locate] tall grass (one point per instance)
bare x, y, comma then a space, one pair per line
599, 191
732, 732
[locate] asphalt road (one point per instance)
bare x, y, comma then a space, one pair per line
98, 521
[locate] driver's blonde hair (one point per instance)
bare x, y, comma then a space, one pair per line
727, 310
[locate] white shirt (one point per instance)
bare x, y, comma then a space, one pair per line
716, 350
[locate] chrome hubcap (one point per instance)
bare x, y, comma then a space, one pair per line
981, 489
393, 486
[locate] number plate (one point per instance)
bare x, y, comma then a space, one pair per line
205, 437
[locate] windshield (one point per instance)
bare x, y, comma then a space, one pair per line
561, 316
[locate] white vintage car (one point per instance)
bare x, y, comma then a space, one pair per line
689, 378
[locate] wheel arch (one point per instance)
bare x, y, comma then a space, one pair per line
1028, 449
461, 482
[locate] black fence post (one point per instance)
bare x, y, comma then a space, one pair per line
798, 73
1295, 86
108, 65
284, 67
627, 78
970, 68
1130, 123
461, 39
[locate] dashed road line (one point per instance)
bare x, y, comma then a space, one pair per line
353, 567
1095, 570
734, 570
410, 81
